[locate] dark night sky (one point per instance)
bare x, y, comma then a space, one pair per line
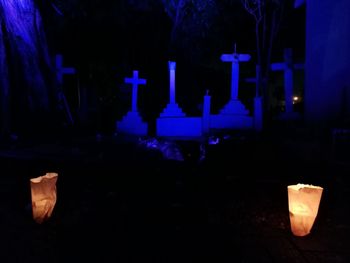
96, 34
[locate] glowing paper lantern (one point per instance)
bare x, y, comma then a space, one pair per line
303, 202
44, 194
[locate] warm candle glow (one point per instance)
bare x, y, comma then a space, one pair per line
43, 192
303, 202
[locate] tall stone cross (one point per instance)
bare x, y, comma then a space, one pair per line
135, 81
60, 70
235, 58
288, 67
172, 68
172, 109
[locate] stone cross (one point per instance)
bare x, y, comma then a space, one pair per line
235, 58
172, 109
60, 70
172, 68
287, 66
135, 81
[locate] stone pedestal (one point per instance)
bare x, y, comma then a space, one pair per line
172, 110
234, 107
233, 116
179, 126
132, 124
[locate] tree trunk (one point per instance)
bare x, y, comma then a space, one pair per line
4, 85
27, 89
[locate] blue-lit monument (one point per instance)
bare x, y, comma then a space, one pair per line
172, 122
234, 115
132, 122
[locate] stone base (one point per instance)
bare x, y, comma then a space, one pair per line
239, 122
172, 110
179, 126
234, 107
132, 124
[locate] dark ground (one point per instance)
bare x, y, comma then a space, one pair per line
118, 202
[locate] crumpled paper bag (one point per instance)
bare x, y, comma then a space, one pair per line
44, 195
303, 203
